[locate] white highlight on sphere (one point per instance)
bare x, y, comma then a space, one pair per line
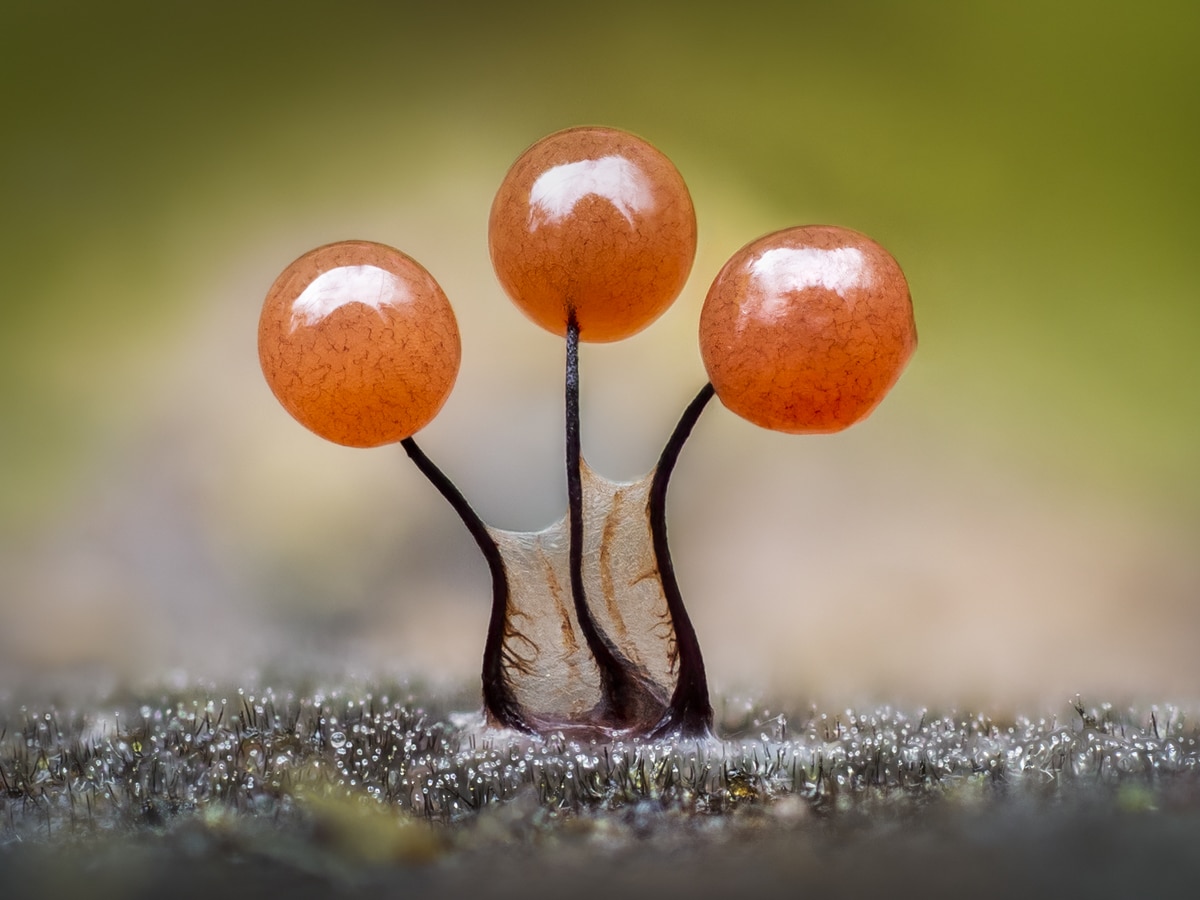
616, 179
369, 285
789, 270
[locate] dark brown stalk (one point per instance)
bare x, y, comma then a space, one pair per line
498, 700
689, 713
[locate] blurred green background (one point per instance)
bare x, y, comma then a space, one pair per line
1020, 515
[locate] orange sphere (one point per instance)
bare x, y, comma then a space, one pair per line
806, 329
595, 220
359, 343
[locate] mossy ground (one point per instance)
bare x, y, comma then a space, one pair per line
368, 790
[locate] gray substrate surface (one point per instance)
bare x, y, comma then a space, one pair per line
383, 790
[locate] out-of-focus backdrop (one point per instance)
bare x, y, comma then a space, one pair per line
1019, 519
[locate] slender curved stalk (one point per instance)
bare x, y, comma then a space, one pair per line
690, 712
498, 699
619, 687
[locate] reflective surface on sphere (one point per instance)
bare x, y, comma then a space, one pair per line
806, 329
597, 219
358, 343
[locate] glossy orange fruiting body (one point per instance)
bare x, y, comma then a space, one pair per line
359, 343
598, 221
806, 329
